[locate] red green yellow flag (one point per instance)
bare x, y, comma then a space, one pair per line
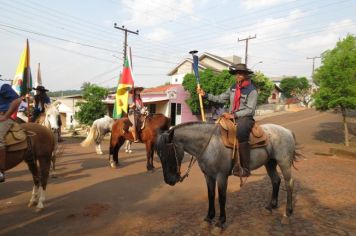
126, 83
22, 82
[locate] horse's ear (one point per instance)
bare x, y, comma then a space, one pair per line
170, 135
56, 103
46, 106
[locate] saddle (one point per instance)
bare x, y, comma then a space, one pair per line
258, 137
16, 138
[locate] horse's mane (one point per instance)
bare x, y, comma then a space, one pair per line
190, 123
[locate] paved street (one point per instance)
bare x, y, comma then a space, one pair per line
89, 198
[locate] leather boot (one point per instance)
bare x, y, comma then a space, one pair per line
2, 164
244, 151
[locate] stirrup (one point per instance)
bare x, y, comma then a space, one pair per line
2, 177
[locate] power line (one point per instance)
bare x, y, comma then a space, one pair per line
125, 39
246, 48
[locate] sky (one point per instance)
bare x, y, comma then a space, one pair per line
76, 42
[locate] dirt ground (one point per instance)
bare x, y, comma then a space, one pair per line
89, 198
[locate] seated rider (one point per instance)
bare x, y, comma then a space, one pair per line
135, 111
9, 103
41, 98
243, 100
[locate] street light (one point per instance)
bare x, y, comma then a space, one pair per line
256, 64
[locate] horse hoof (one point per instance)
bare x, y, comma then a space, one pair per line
54, 176
113, 165
32, 204
38, 210
205, 224
217, 231
151, 171
285, 220
100, 153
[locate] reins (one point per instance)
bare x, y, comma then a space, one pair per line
193, 160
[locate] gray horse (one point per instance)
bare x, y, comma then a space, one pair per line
203, 141
97, 132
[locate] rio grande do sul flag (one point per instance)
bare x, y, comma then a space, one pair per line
126, 83
22, 82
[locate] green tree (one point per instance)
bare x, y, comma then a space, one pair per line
336, 78
211, 81
264, 86
92, 108
294, 86
217, 82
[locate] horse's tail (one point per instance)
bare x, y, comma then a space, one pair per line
90, 137
297, 152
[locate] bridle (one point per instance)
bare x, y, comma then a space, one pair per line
192, 160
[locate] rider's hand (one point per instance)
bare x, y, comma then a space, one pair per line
201, 91
120, 103
228, 115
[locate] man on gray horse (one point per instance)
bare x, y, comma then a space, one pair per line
9, 102
243, 100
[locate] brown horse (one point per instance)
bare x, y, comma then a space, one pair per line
153, 124
40, 147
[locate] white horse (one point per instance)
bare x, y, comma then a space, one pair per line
97, 133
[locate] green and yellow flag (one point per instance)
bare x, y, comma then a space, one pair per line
126, 83
22, 82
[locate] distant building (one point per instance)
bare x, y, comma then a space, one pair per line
170, 99
67, 109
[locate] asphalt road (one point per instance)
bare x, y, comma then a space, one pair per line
89, 198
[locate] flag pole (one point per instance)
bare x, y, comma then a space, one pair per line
196, 72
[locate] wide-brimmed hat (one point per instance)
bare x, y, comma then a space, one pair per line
234, 69
138, 89
40, 88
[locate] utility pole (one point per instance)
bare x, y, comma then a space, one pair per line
313, 58
246, 49
125, 40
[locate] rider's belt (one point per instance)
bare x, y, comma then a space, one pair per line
2, 112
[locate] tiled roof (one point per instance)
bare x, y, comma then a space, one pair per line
160, 89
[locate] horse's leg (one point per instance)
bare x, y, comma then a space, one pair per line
210, 183
53, 160
45, 165
289, 182
149, 155
115, 153
276, 181
222, 187
98, 149
32, 166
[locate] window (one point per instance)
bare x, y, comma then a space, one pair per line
179, 109
176, 80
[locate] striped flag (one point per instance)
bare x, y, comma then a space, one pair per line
22, 82
38, 80
126, 83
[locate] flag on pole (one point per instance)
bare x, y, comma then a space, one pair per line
22, 82
38, 80
126, 83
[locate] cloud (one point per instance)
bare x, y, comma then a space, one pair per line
159, 34
326, 39
250, 4
155, 12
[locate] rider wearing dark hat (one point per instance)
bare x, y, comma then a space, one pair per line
243, 100
135, 108
40, 100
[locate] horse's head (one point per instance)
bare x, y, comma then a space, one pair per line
171, 156
51, 119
